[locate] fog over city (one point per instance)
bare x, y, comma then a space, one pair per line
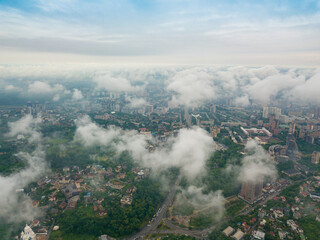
137, 119
189, 85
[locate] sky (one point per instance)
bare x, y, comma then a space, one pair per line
246, 32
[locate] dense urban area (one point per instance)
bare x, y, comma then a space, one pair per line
159, 120
92, 191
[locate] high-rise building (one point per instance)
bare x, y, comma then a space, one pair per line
302, 134
292, 128
317, 113
265, 113
271, 110
251, 191
315, 157
292, 148
29, 108
213, 108
149, 108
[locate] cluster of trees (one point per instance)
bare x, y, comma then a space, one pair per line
119, 221
217, 177
285, 165
310, 226
307, 148
71, 154
291, 192
8, 161
234, 207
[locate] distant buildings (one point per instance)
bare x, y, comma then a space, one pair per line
291, 172
213, 108
292, 147
149, 109
256, 131
251, 191
267, 111
292, 128
315, 157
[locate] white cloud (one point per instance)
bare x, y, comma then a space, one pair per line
137, 102
56, 98
11, 88
308, 91
191, 87
264, 72
91, 134
56, 5
113, 83
77, 95
242, 101
28, 126
189, 150
257, 165
232, 40
212, 203
38, 87
263, 90
16, 207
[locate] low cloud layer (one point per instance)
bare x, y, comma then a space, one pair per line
189, 150
77, 95
194, 85
137, 102
191, 87
212, 203
26, 126
257, 164
114, 83
38, 87
45, 89
15, 206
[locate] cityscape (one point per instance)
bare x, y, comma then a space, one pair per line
159, 120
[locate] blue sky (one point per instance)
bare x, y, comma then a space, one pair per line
161, 31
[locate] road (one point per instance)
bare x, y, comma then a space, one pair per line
203, 234
197, 233
149, 228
